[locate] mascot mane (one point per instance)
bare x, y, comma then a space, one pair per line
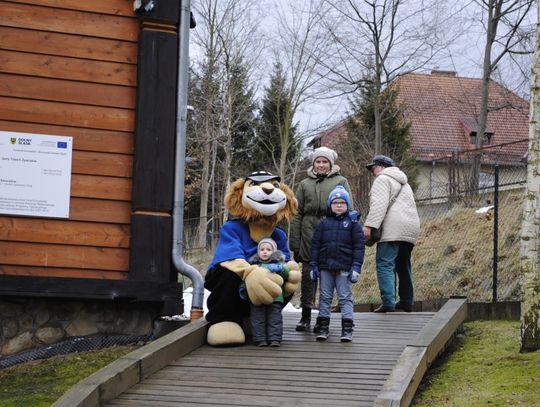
233, 203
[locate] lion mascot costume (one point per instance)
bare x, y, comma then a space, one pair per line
256, 205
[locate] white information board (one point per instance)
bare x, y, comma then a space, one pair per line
35, 174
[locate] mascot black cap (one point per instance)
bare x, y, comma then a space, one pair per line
262, 176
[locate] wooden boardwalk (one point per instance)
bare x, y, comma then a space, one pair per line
382, 366
302, 372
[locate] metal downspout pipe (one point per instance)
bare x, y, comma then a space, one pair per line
179, 167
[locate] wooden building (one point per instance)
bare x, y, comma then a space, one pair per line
106, 76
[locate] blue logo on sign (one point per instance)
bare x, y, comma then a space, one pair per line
61, 144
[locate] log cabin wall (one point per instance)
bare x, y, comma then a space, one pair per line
70, 68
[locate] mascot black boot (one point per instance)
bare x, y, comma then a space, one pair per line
256, 205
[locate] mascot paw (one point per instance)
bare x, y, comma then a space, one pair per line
262, 286
292, 283
225, 333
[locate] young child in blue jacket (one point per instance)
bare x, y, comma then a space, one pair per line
267, 320
337, 254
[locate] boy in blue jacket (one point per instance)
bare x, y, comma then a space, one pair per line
337, 254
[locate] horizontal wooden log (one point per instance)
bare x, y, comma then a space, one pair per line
97, 210
87, 186
68, 21
54, 287
83, 139
117, 165
114, 7
48, 66
60, 90
69, 256
68, 45
39, 230
62, 272
35, 111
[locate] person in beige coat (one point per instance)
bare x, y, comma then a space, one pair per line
392, 208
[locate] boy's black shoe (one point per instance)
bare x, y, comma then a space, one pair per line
403, 306
275, 344
317, 327
347, 330
384, 308
324, 329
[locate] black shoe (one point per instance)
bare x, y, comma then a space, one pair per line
384, 308
346, 330
317, 327
324, 329
403, 306
304, 323
275, 344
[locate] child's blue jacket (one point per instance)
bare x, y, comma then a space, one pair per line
338, 243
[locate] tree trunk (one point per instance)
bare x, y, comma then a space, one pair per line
205, 188
530, 306
491, 32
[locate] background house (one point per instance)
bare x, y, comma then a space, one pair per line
443, 109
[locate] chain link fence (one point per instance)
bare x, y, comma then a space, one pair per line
470, 206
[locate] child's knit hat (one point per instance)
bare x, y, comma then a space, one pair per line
325, 152
270, 241
341, 193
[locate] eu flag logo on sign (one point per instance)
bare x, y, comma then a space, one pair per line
61, 144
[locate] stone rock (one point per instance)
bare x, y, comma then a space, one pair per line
49, 334
18, 344
81, 326
26, 322
42, 317
10, 309
10, 327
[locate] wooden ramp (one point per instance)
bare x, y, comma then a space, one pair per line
382, 366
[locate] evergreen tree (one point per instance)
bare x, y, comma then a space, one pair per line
395, 130
275, 131
244, 107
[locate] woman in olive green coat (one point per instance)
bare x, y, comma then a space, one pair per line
312, 195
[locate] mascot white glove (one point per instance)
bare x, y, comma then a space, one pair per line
293, 281
262, 286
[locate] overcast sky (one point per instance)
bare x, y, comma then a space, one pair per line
464, 56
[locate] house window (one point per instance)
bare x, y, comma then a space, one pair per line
488, 136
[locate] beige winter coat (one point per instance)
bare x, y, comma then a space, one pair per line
399, 220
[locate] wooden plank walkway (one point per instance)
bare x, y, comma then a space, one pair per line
302, 372
382, 366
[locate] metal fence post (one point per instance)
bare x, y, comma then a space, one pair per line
495, 232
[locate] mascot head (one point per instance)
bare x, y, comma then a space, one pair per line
261, 197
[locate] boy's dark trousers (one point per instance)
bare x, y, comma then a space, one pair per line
267, 322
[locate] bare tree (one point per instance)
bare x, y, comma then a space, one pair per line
242, 47
299, 45
224, 38
506, 34
530, 307
376, 41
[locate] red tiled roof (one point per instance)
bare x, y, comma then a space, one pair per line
443, 109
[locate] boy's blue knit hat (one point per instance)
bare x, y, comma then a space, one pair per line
339, 192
